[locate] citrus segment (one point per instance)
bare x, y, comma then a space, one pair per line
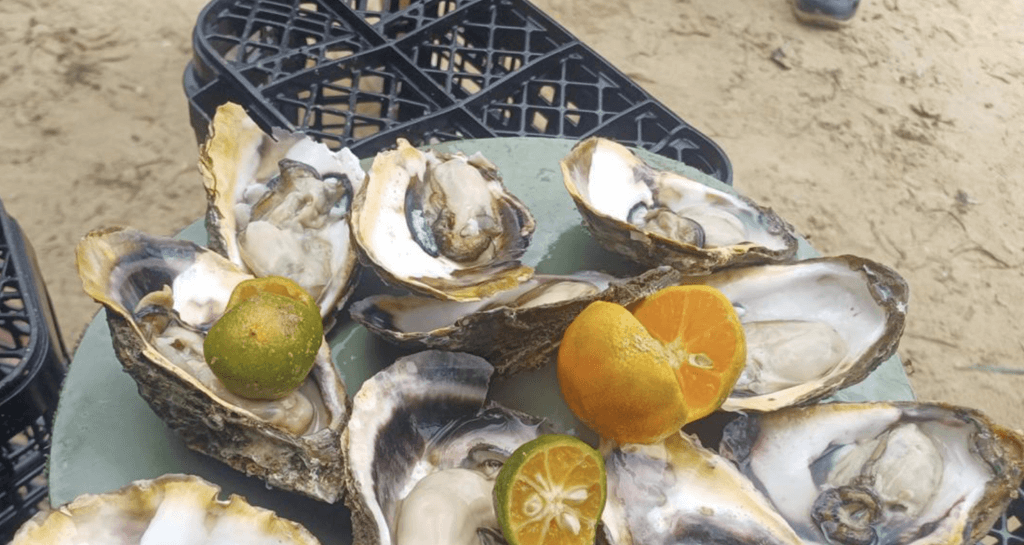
551, 491
700, 327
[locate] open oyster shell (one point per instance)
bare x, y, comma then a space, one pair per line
516, 329
424, 447
812, 327
662, 218
676, 491
441, 224
880, 473
169, 509
279, 204
161, 295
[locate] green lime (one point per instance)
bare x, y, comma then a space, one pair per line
264, 345
551, 491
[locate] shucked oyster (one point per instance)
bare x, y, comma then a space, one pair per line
161, 297
279, 205
675, 491
880, 473
169, 509
516, 329
441, 225
812, 327
424, 448
662, 218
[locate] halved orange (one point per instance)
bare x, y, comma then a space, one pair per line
638, 377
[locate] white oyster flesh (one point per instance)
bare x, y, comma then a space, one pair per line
676, 491
279, 205
811, 327
879, 473
457, 503
169, 510
421, 431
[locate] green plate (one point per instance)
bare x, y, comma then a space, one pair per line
105, 435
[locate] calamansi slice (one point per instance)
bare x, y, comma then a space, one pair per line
551, 491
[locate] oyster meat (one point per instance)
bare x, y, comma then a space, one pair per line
676, 491
279, 205
169, 509
516, 329
161, 296
424, 447
658, 217
880, 473
812, 327
441, 225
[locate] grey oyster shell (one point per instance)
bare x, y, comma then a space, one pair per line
161, 295
881, 473
424, 414
517, 329
662, 218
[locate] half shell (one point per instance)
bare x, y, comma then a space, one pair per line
441, 224
279, 205
880, 473
424, 448
168, 509
161, 295
812, 327
662, 218
676, 491
517, 329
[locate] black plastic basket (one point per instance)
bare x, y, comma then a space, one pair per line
33, 362
358, 73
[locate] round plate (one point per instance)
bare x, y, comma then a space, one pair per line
106, 436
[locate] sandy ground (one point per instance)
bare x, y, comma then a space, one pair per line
896, 139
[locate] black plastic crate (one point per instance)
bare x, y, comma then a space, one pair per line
33, 362
355, 73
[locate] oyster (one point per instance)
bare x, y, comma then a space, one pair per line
812, 327
516, 329
169, 509
424, 448
279, 205
662, 218
441, 225
880, 473
161, 296
676, 491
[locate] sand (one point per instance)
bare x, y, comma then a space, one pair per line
896, 139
